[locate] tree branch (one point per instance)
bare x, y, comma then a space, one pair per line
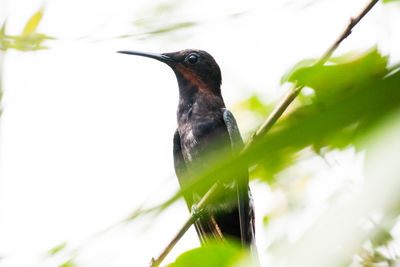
192, 219
265, 127
296, 89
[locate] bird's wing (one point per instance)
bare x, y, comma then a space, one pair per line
245, 208
204, 226
181, 168
233, 130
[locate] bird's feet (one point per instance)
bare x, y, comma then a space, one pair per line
196, 212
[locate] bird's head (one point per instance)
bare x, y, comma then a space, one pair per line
194, 69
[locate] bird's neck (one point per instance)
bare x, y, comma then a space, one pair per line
196, 101
191, 82
198, 97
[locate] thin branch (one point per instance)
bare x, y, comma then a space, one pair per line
295, 90
266, 126
353, 22
164, 253
274, 116
192, 219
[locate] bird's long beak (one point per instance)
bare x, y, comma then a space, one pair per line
160, 57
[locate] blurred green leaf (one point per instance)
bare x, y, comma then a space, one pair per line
266, 220
381, 237
213, 255
335, 118
266, 169
33, 23
299, 65
29, 40
350, 98
352, 69
166, 7
4, 41
379, 257
255, 105
69, 263
57, 249
3, 30
389, 1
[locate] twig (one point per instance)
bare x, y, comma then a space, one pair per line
192, 219
274, 116
353, 22
266, 126
295, 90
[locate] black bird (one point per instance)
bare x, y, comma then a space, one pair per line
206, 129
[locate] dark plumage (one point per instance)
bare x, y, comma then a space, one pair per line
206, 130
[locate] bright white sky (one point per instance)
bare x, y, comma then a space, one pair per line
87, 133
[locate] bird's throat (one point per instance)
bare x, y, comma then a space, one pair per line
190, 77
190, 83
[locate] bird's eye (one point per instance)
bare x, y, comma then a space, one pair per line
192, 59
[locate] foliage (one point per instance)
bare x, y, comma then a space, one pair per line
255, 105
350, 97
28, 40
389, 1
69, 263
216, 254
57, 249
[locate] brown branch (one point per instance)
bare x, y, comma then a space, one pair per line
192, 219
353, 22
295, 90
265, 127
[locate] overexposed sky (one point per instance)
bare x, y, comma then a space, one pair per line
86, 133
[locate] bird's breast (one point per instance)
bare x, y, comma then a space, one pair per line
201, 137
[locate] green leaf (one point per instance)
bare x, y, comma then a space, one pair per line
380, 257
3, 30
389, 1
29, 40
33, 23
255, 105
299, 65
266, 220
69, 263
381, 237
57, 248
350, 99
4, 43
213, 255
353, 68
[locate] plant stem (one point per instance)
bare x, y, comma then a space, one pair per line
192, 219
296, 89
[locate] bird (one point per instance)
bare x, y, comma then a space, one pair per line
206, 130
